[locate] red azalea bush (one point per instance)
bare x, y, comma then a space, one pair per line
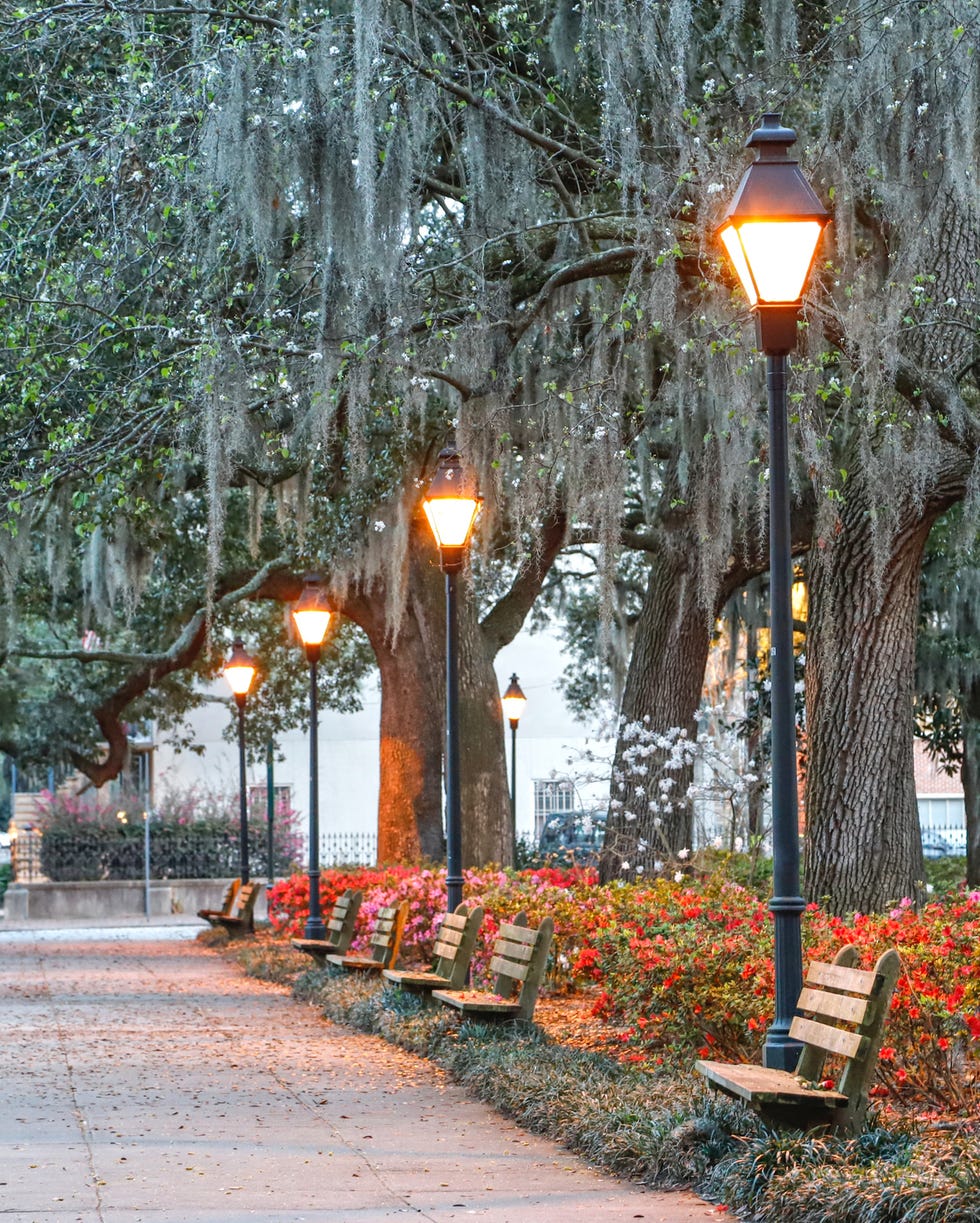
688, 967
549, 890
685, 967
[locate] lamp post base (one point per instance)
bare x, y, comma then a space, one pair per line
314, 927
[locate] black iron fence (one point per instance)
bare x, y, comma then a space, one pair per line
204, 850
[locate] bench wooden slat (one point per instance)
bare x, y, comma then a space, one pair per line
509, 968
519, 952
826, 1037
468, 1001
451, 933
517, 934
760, 1084
835, 976
833, 1006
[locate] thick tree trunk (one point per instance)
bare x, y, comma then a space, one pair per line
863, 849
484, 799
410, 793
970, 775
487, 830
661, 697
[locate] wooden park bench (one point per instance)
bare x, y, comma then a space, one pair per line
225, 908
340, 929
451, 955
385, 942
241, 920
520, 957
844, 1011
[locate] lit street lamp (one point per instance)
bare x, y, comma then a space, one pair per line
239, 671
770, 232
312, 619
450, 506
513, 702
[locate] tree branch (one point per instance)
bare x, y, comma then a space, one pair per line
503, 622
184, 650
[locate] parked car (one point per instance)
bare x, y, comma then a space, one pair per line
935, 846
574, 834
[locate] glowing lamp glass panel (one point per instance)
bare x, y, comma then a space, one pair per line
239, 676
311, 624
772, 258
513, 706
451, 519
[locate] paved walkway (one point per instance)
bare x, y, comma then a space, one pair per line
144, 1078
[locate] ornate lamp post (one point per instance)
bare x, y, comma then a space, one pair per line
312, 619
771, 232
513, 702
450, 506
239, 671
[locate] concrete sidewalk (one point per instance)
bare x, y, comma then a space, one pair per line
145, 1078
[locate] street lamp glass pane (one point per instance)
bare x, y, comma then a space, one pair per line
777, 255
239, 677
513, 706
312, 624
729, 237
451, 519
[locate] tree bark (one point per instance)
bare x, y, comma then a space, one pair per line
662, 693
410, 791
863, 847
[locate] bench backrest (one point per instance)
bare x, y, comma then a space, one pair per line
455, 943
520, 957
340, 923
244, 904
228, 900
843, 1015
386, 937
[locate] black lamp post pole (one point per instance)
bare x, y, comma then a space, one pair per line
513, 778
454, 821
243, 796
314, 923
786, 904
270, 810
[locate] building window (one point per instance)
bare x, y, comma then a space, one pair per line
282, 797
552, 797
945, 817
